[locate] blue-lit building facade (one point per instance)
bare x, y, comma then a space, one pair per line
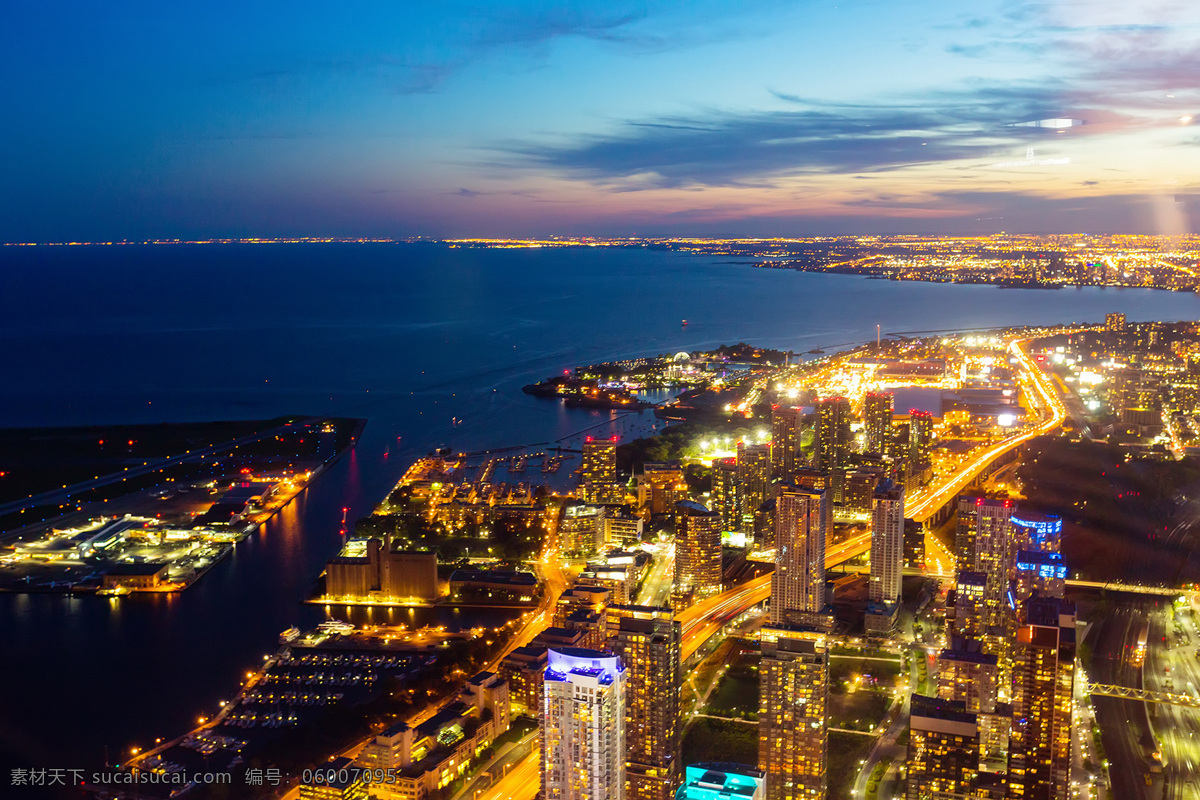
583, 725
1037, 531
1039, 572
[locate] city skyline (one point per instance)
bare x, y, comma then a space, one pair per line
531, 118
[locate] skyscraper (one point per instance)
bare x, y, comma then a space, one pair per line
599, 472
785, 439
920, 437
583, 726
580, 529
968, 675
1043, 682
987, 519
793, 726
647, 640
887, 544
697, 549
1037, 531
984, 544
833, 433
993, 556
1039, 572
661, 486
943, 749
860, 485
969, 589
754, 472
877, 415
798, 583
727, 493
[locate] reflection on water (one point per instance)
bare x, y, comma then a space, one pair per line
454, 619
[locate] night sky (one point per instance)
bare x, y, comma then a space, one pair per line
177, 119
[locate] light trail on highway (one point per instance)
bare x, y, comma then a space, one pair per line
928, 504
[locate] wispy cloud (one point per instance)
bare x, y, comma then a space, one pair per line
756, 148
1118, 72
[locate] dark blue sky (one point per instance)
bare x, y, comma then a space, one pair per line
153, 120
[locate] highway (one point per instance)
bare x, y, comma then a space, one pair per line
656, 589
1046, 397
523, 781
555, 580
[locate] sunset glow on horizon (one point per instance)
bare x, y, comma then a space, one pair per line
629, 118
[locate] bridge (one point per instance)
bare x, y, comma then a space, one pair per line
1131, 588
1142, 695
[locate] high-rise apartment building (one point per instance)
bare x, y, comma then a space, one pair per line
798, 583
1037, 531
833, 433
727, 493
754, 472
878, 408
813, 479
943, 749
984, 542
660, 486
1114, 322
581, 529
621, 527
697, 549
887, 544
583, 726
860, 485
785, 440
920, 437
599, 471
969, 590
793, 726
1041, 573
1042, 684
969, 676
648, 642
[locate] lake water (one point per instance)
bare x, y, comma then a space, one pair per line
408, 336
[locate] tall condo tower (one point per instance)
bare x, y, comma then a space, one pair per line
600, 471
583, 726
697, 549
648, 642
878, 408
793, 725
887, 543
785, 439
798, 583
1043, 681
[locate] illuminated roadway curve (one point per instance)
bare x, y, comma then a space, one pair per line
927, 505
